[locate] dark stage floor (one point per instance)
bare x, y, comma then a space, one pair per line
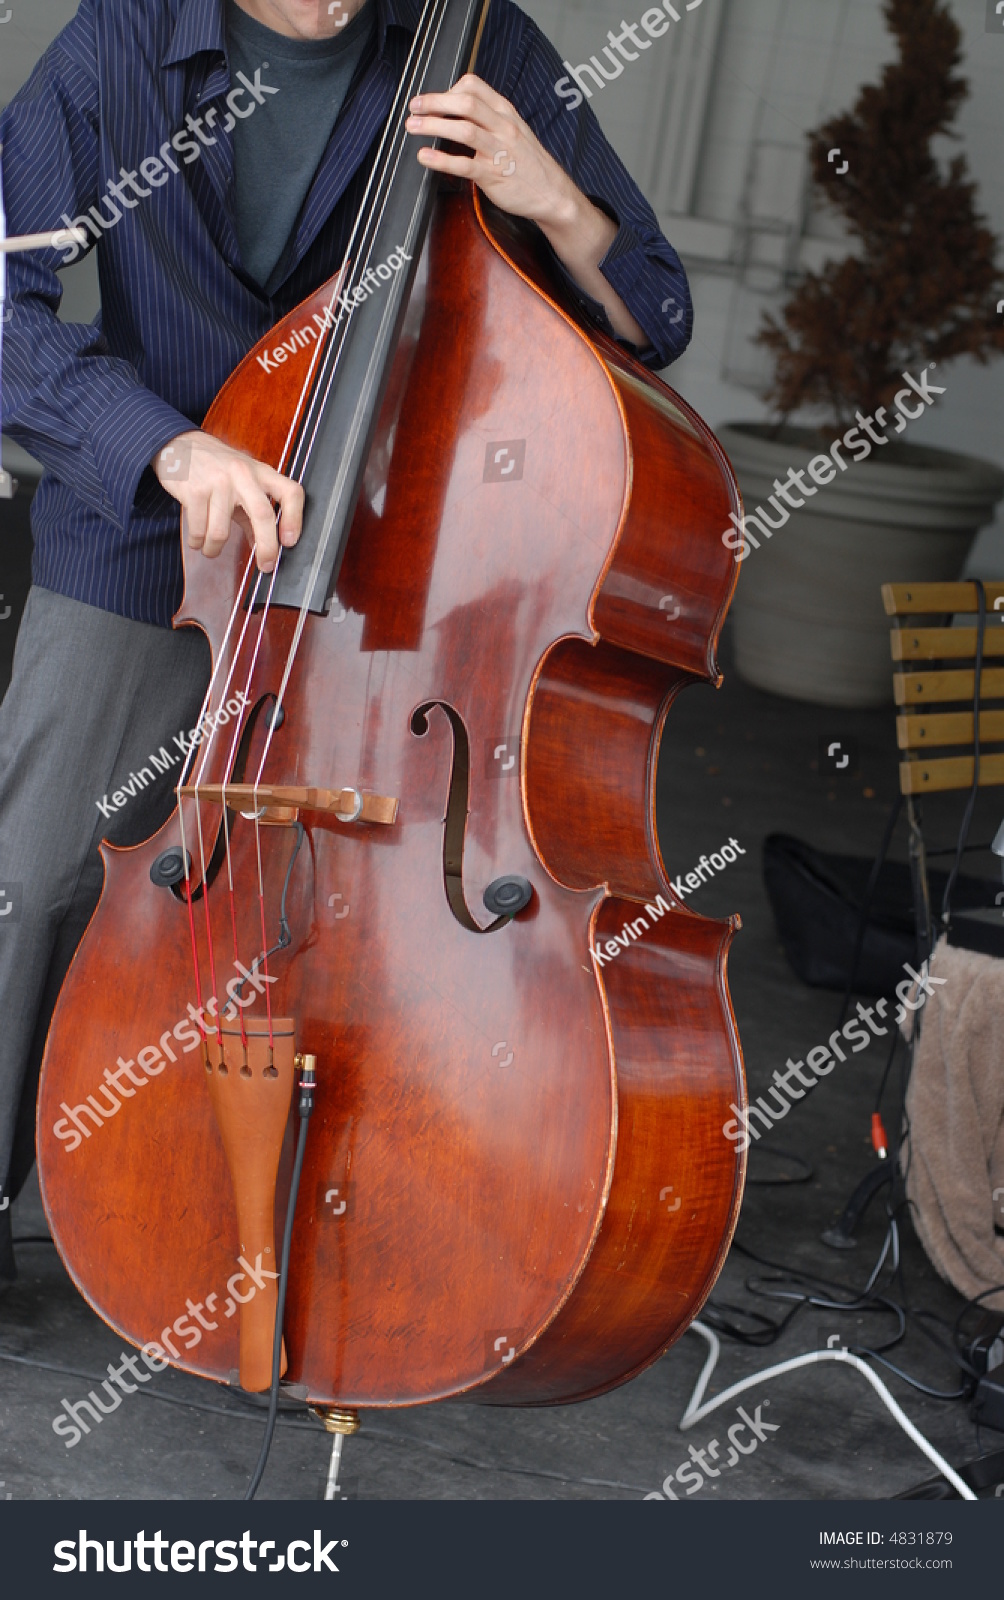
735, 763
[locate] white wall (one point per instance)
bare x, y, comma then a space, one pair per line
33, 25
777, 69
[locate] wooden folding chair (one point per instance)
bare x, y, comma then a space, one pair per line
943, 666
939, 667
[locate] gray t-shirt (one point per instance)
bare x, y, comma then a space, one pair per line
277, 150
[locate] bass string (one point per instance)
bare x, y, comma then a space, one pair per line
363, 238
206, 752
228, 766
371, 211
187, 766
381, 173
233, 920
209, 930
321, 350
429, 32
381, 177
385, 169
329, 349
436, 12
190, 755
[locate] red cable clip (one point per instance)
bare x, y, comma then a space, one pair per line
880, 1142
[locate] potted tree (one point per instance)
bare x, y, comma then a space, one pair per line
866, 341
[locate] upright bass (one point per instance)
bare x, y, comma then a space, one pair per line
414, 861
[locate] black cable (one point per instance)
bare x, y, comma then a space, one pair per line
35, 1238
969, 849
372, 1433
873, 878
770, 1331
259, 1402
974, 1301
868, 1301
306, 1106
902, 1136
915, 1383
149, 1394
922, 1317
896, 1037
967, 816
780, 1266
285, 938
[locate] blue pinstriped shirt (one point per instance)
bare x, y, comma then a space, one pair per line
95, 403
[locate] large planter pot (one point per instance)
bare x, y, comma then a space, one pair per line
808, 616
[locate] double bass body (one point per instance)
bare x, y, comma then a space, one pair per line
516, 1182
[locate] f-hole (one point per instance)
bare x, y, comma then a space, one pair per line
456, 814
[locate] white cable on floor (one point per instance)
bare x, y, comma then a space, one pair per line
696, 1412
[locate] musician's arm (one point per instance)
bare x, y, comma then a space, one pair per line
581, 235
640, 266
559, 171
85, 414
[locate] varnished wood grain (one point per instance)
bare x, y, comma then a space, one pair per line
911, 599
498, 1115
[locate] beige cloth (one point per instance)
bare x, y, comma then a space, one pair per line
954, 1154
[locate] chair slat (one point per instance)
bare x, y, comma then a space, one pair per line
943, 644
954, 772
953, 727
907, 599
934, 688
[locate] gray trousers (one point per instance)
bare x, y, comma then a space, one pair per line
92, 696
